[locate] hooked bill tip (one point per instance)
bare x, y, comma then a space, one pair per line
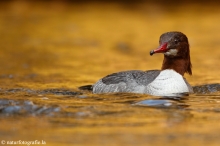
151, 52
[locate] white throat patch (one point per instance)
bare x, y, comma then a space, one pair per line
171, 52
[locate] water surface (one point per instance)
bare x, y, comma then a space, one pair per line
49, 49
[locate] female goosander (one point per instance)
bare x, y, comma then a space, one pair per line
167, 81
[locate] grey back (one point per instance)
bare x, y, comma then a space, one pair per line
126, 81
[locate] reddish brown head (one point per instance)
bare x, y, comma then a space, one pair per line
176, 51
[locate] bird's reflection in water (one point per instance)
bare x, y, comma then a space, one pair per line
167, 101
174, 108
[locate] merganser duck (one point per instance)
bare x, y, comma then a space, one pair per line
167, 81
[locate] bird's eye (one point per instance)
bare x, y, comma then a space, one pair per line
176, 41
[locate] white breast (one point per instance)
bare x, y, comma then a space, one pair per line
168, 82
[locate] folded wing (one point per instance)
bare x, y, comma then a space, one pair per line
128, 81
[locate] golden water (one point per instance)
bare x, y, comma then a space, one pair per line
57, 45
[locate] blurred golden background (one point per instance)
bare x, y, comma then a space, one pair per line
75, 43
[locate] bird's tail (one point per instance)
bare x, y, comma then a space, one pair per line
86, 87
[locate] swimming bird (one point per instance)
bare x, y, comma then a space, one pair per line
167, 81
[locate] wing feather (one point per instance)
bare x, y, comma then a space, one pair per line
126, 81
